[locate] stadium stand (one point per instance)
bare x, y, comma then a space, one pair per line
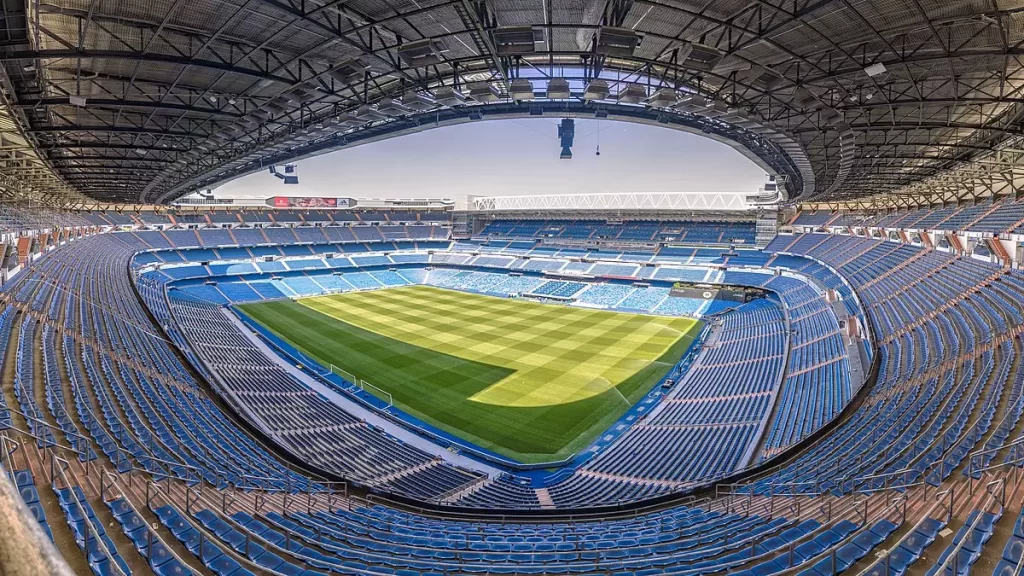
1005, 217
723, 390
653, 299
845, 395
819, 218
119, 385
627, 231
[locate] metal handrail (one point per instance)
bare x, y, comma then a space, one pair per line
896, 505
58, 467
1016, 455
23, 537
779, 467
992, 498
151, 534
203, 532
132, 468
940, 502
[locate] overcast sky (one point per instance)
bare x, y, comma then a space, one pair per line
517, 157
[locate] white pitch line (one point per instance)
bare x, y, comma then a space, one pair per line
617, 391
679, 332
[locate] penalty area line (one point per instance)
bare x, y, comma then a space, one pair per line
617, 391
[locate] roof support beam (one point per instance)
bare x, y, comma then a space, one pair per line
61, 54
115, 104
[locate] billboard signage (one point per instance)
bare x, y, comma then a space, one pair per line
310, 202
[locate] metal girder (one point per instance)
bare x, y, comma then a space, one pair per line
155, 131
115, 104
108, 146
951, 88
923, 126
102, 160
132, 56
474, 15
340, 34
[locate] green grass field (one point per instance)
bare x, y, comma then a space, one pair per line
534, 382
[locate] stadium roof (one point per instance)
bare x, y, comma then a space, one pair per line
141, 102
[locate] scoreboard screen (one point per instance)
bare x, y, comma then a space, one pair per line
709, 292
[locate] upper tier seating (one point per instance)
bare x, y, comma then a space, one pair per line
819, 218
1006, 216
628, 231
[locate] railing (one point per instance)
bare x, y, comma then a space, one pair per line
108, 483
24, 545
59, 468
996, 500
1014, 459
899, 479
945, 501
896, 506
895, 511
149, 460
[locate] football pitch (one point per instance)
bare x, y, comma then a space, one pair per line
533, 382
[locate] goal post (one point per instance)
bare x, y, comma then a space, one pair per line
363, 384
391, 401
344, 374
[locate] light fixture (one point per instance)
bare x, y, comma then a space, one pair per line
418, 102
736, 115
558, 89
875, 69
300, 96
348, 72
369, 113
683, 51
616, 42
449, 96
662, 98
521, 89
421, 53
392, 107
347, 121
691, 103
516, 40
483, 92
597, 89
632, 94
716, 109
